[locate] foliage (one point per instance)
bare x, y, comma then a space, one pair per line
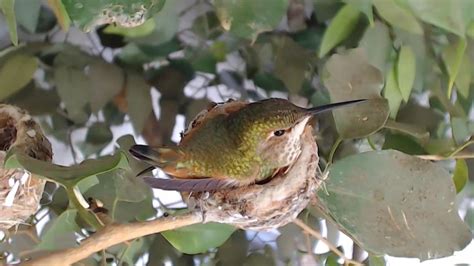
411, 58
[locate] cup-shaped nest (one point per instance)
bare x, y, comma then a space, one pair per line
20, 191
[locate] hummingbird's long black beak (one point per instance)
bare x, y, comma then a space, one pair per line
328, 107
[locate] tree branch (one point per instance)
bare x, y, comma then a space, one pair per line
114, 234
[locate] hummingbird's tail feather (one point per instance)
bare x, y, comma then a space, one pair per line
188, 185
160, 157
327, 107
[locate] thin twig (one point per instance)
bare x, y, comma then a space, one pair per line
442, 158
334, 149
114, 234
318, 236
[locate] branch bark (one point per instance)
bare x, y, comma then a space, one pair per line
114, 234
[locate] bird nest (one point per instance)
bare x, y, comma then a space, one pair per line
263, 206
20, 191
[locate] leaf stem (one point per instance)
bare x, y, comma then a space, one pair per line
371, 143
334, 149
77, 201
453, 155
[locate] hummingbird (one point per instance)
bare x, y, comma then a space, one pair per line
237, 145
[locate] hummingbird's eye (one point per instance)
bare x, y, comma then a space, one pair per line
279, 132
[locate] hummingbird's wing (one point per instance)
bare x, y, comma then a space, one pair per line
188, 185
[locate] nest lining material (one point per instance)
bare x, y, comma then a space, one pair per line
261, 206
20, 191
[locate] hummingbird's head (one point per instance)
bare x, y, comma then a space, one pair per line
275, 128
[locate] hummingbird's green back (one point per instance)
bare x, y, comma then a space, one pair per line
227, 144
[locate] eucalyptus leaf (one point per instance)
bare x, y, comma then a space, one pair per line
234, 250
398, 16
106, 81
463, 79
37, 101
460, 175
27, 13
291, 63
61, 233
339, 29
15, 73
350, 76
392, 93
412, 130
98, 136
377, 45
406, 71
249, 18
8, 10
138, 99
462, 129
453, 57
199, 238
376, 260
395, 204
447, 15
364, 6
126, 197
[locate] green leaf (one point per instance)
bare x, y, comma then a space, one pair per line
139, 100
340, 28
60, 13
66, 174
87, 14
412, 130
350, 76
460, 175
37, 101
403, 143
406, 71
364, 6
133, 32
268, 82
376, 260
392, 93
15, 73
248, 18
461, 128
72, 83
395, 204
8, 9
453, 57
166, 21
447, 15
98, 136
61, 233
414, 114
126, 197
27, 13
291, 62
377, 45
199, 238
234, 250
463, 79
398, 16
106, 81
